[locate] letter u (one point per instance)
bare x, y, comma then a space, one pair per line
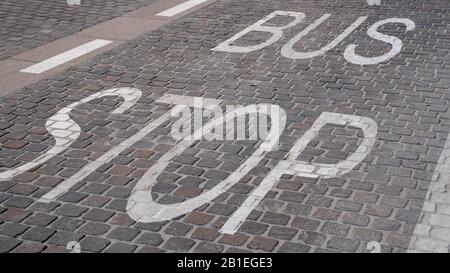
288, 51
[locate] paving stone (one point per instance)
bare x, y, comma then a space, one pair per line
7, 244
23, 189
178, 229
283, 233
72, 197
93, 244
12, 229
408, 216
153, 239
367, 234
210, 163
123, 234
155, 226
237, 250
378, 211
207, 247
14, 215
4, 196
335, 229
119, 247
29, 247
62, 238
94, 228
275, 218
326, 214
184, 159
150, 249
198, 218
386, 224
56, 249
312, 238
263, 243
71, 210
38, 234
121, 219
356, 219
95, 201
179, 244
305, 223
254, 228
398, 240
205, 234
294, 197
221, 209
343, 244
298, 209
319, 201
236, 239
289, 247
66, 223
98, 215
348, 206
188, 170
187, 191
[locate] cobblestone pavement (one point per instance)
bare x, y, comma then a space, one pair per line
26, 24
381, 199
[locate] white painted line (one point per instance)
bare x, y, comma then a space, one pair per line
180, 8
431, 233
66, 56
374, 2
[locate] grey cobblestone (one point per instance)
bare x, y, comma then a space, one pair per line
123, 234
120, 248
93, 244
179, 244
289, 247
29, 247
263, 243
94, 229
38, 234
343, 244
27, 25
12, 229
62, 238
207, 247
7, 244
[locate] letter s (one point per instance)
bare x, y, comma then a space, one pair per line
396, 43
65, 131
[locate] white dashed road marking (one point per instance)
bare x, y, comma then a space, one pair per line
374, 2
66, 56
181, 7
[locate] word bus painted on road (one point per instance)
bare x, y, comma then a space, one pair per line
288, 49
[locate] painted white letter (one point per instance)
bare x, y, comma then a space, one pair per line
293, 167
396, 43
289, 52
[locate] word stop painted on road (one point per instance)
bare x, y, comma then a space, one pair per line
288, 49
141, 206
